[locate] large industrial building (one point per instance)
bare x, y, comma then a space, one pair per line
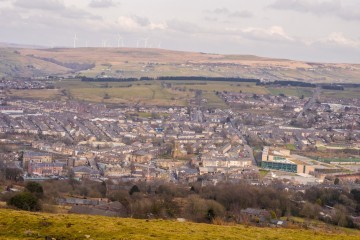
283, 160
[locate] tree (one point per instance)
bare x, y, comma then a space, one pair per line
356, 195
72, 180
336, 181
310, 211
134, 189
13, 174
25, 201
107, 96
203, 210
340, 217
35, 188
273, 214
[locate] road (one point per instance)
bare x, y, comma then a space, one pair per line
311, 101
247, 147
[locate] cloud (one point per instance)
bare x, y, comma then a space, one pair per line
183, 26
241, 14
231, 14
330, 7
75, 13
136, 23
274, 33
55, 7
102, 4
338, 38
52, 5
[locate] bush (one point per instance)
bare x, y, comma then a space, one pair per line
134, 189
35, 188
203, 210
25, 201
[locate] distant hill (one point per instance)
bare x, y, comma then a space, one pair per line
137, 62
15, 45
28, 225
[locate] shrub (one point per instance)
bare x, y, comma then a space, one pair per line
25, 201
203, 210
134, 189
35, 188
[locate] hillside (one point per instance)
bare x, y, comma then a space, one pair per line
26, 225
137, 62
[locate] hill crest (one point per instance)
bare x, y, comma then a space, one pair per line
150, 62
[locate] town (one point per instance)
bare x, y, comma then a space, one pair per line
179, 120
52, 139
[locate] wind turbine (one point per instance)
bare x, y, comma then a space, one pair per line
122, 41
146, 42
104, 43
75, 39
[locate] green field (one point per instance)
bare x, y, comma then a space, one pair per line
221, 86
28, 225
153, 93
140, 92
36, 94
347, 93
291, 91
143, 93
328, 160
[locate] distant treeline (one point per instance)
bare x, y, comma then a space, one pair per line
333, 87
108, 79
215, 79
288, 83
175, 78
338, 86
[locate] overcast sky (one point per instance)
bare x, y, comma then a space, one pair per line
311, 30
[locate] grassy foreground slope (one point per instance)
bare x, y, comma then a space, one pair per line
26, 225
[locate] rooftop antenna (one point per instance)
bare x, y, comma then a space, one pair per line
75, 39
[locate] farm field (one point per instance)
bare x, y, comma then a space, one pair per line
154, 93
151, 92
347, 93
328, 160
29, 225
36, 94
143, 93
291, 91
210, 86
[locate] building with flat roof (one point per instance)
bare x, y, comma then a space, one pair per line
283, 160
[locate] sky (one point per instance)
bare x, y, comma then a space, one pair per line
309, 30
